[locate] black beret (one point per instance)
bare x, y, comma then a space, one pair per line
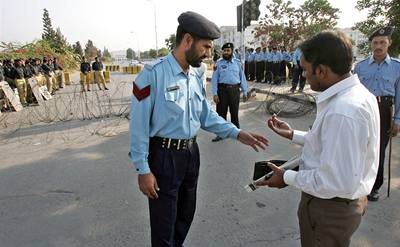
198, 25
227, 45
384, 31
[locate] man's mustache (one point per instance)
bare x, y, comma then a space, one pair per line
379, 50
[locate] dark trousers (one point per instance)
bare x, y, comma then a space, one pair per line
252, 70
385, 111
172, 213
246, 69
229, 97
260, 71
297, 76
275, 72
268, 72
282, 70
329, 222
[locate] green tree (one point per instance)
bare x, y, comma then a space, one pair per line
380, 13
163, 52
130, 54
285, 24
171, 42
106, 53
48, 32
90, 50
77, 48
99, 53
152, 53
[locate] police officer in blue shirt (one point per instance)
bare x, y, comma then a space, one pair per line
252, 65
297, 72
169, 106
227, 80
380, 73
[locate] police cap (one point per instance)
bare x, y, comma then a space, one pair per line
198, 25
384, 31
227, 45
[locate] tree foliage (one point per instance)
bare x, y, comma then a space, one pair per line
380, 14
78, 48
171, 42
284, 24
130, 54
90, 50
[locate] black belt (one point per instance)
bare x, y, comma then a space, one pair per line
224, 85
385, 99
335, 199
174, 144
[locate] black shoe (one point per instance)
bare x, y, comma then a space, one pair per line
217, 139
106, 88
373, 196
88, 90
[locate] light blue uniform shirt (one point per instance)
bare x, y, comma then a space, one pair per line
296, 56
276, 57
382, 79
238, 55
176, 108
251, 57
286, 57
259, 57
228, 72
270, 56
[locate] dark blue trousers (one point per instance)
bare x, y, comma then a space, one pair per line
172, 213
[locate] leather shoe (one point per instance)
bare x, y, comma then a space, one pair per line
373, 196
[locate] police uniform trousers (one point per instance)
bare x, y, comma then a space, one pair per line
58, 74
282, 70
85, 81
252, 70
298, 76
229, 97
22, 90
176, 172
275, 72
385, 112
268, 72
259, 71
329, 222
246, 70
99, 79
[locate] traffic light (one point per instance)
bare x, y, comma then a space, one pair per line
250, 13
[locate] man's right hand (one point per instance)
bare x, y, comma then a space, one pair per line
148, 185
280, 127
216, 99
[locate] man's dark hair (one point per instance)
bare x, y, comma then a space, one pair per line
332, 49
180, 32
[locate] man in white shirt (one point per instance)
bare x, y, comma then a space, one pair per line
340, 152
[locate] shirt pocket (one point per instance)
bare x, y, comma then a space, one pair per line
174, 101
388, 83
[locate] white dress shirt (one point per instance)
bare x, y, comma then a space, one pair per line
341, 152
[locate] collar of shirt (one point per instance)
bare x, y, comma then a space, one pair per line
176, 67
372, 60
337, 88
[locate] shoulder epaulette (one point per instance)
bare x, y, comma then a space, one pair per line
154, 63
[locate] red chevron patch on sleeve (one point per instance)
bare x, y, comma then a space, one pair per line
140, 94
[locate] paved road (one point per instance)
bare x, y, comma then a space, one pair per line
71, 184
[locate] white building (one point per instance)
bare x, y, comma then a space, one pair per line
229, 34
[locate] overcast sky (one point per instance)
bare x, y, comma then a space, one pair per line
119, 24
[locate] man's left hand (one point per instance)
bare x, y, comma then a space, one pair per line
276, 181
252, 139
244, 98
394, 129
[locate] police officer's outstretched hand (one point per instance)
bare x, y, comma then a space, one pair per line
148, 185
280, 127
216, 99
252, 139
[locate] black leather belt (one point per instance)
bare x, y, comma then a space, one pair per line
385, 99
174, 144
224, 85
